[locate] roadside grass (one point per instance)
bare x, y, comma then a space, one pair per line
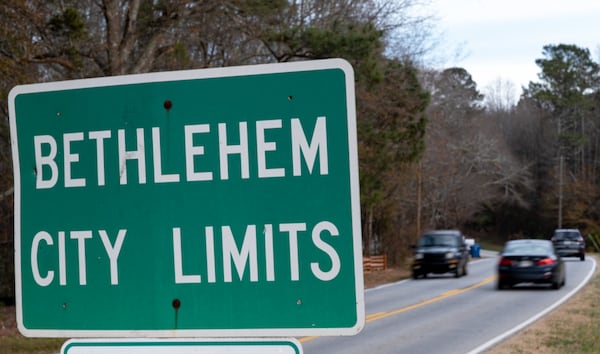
577, 330
20, 345
381, 277
12, 342
492, 243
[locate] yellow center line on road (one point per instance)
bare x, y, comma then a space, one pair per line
440, 297
380, 315
306, 339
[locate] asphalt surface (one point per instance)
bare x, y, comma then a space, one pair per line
442, 314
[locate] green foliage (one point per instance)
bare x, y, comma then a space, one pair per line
151, 15
456, 98
593, 240
566, 94
68, 24
392, 125
68, 30
391, 130
359, 43
260, 8
568, 76
567, 73
177, 57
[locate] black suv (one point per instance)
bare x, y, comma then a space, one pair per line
569, 242
440, 251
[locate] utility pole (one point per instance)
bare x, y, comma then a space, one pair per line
419, 193
560, 173
560, 190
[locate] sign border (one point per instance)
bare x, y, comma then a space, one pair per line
292, 343
187, 75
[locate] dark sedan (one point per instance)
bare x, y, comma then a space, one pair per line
530, 261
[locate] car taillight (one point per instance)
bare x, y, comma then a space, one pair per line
545, 261
580, 240
505, 262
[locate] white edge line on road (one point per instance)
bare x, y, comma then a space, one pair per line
509, 333
386, 285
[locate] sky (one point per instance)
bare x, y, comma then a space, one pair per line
501, 39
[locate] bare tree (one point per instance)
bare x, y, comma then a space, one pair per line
467, 162
500, 95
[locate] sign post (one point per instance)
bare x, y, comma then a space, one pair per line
215, 202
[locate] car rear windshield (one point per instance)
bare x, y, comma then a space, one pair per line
567, 235
439, 240
534, 248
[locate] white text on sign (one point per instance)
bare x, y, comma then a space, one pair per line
47, 149
234, 257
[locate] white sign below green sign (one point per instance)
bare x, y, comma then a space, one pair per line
187, 346
216, 202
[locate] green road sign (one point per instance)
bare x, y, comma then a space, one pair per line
187, 346
216, 202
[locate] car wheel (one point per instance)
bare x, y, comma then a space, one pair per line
415, 275
458, 272
465, 269
556, 284
582, 256
502, 285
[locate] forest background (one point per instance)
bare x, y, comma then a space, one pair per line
435, 150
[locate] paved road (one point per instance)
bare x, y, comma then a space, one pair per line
443, 314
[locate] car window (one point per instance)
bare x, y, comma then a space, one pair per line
567, 235
438, 241
527, 248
